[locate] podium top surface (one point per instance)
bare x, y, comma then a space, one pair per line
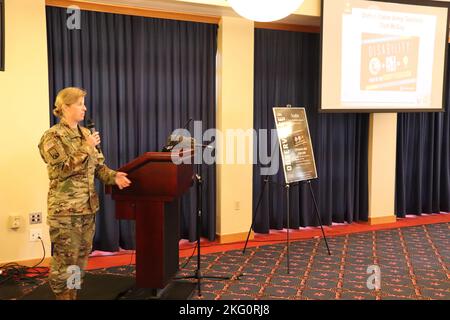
154, 175
153, 157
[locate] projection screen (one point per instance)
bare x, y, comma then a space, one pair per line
379, 56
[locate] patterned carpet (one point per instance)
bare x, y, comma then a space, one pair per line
414, 264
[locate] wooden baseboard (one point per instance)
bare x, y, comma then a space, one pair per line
382, 220
234, 237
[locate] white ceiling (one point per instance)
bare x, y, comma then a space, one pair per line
215, 8
211, 8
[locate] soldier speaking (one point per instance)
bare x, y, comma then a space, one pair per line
73, 161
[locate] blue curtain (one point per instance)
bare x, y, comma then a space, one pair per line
144, 78
423, 162
287, 72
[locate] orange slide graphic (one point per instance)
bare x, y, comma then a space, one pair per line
388, 62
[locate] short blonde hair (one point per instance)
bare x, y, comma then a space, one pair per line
67, 96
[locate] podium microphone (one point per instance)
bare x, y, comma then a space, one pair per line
91, 126
173, 139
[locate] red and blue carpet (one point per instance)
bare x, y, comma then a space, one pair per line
413, 263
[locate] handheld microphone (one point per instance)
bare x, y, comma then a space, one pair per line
91, 126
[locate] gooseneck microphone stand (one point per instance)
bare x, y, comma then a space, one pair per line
198, 272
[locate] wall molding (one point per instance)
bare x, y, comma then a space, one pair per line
133, 11
287, 27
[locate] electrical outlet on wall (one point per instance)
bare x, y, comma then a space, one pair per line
35, 234
237, 205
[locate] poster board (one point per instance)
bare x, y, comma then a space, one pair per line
295, 144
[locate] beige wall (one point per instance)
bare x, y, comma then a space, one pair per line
24, 105
234, 111
310, 8
382, 159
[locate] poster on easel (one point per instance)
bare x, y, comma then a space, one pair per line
295, 144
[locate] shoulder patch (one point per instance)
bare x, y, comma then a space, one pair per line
53, 153
51, 149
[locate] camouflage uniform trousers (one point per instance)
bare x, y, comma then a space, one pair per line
72, 238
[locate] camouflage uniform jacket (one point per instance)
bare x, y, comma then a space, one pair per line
72, 165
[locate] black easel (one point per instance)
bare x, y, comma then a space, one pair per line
287, 187
318, 215
266, 182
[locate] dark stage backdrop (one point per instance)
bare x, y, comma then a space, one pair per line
423, 162
287, 72
144, 78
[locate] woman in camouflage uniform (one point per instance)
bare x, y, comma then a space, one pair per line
73, 161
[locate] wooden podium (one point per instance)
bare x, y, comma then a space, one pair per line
153, 201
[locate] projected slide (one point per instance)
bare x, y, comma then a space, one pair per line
389, 63
387, 55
